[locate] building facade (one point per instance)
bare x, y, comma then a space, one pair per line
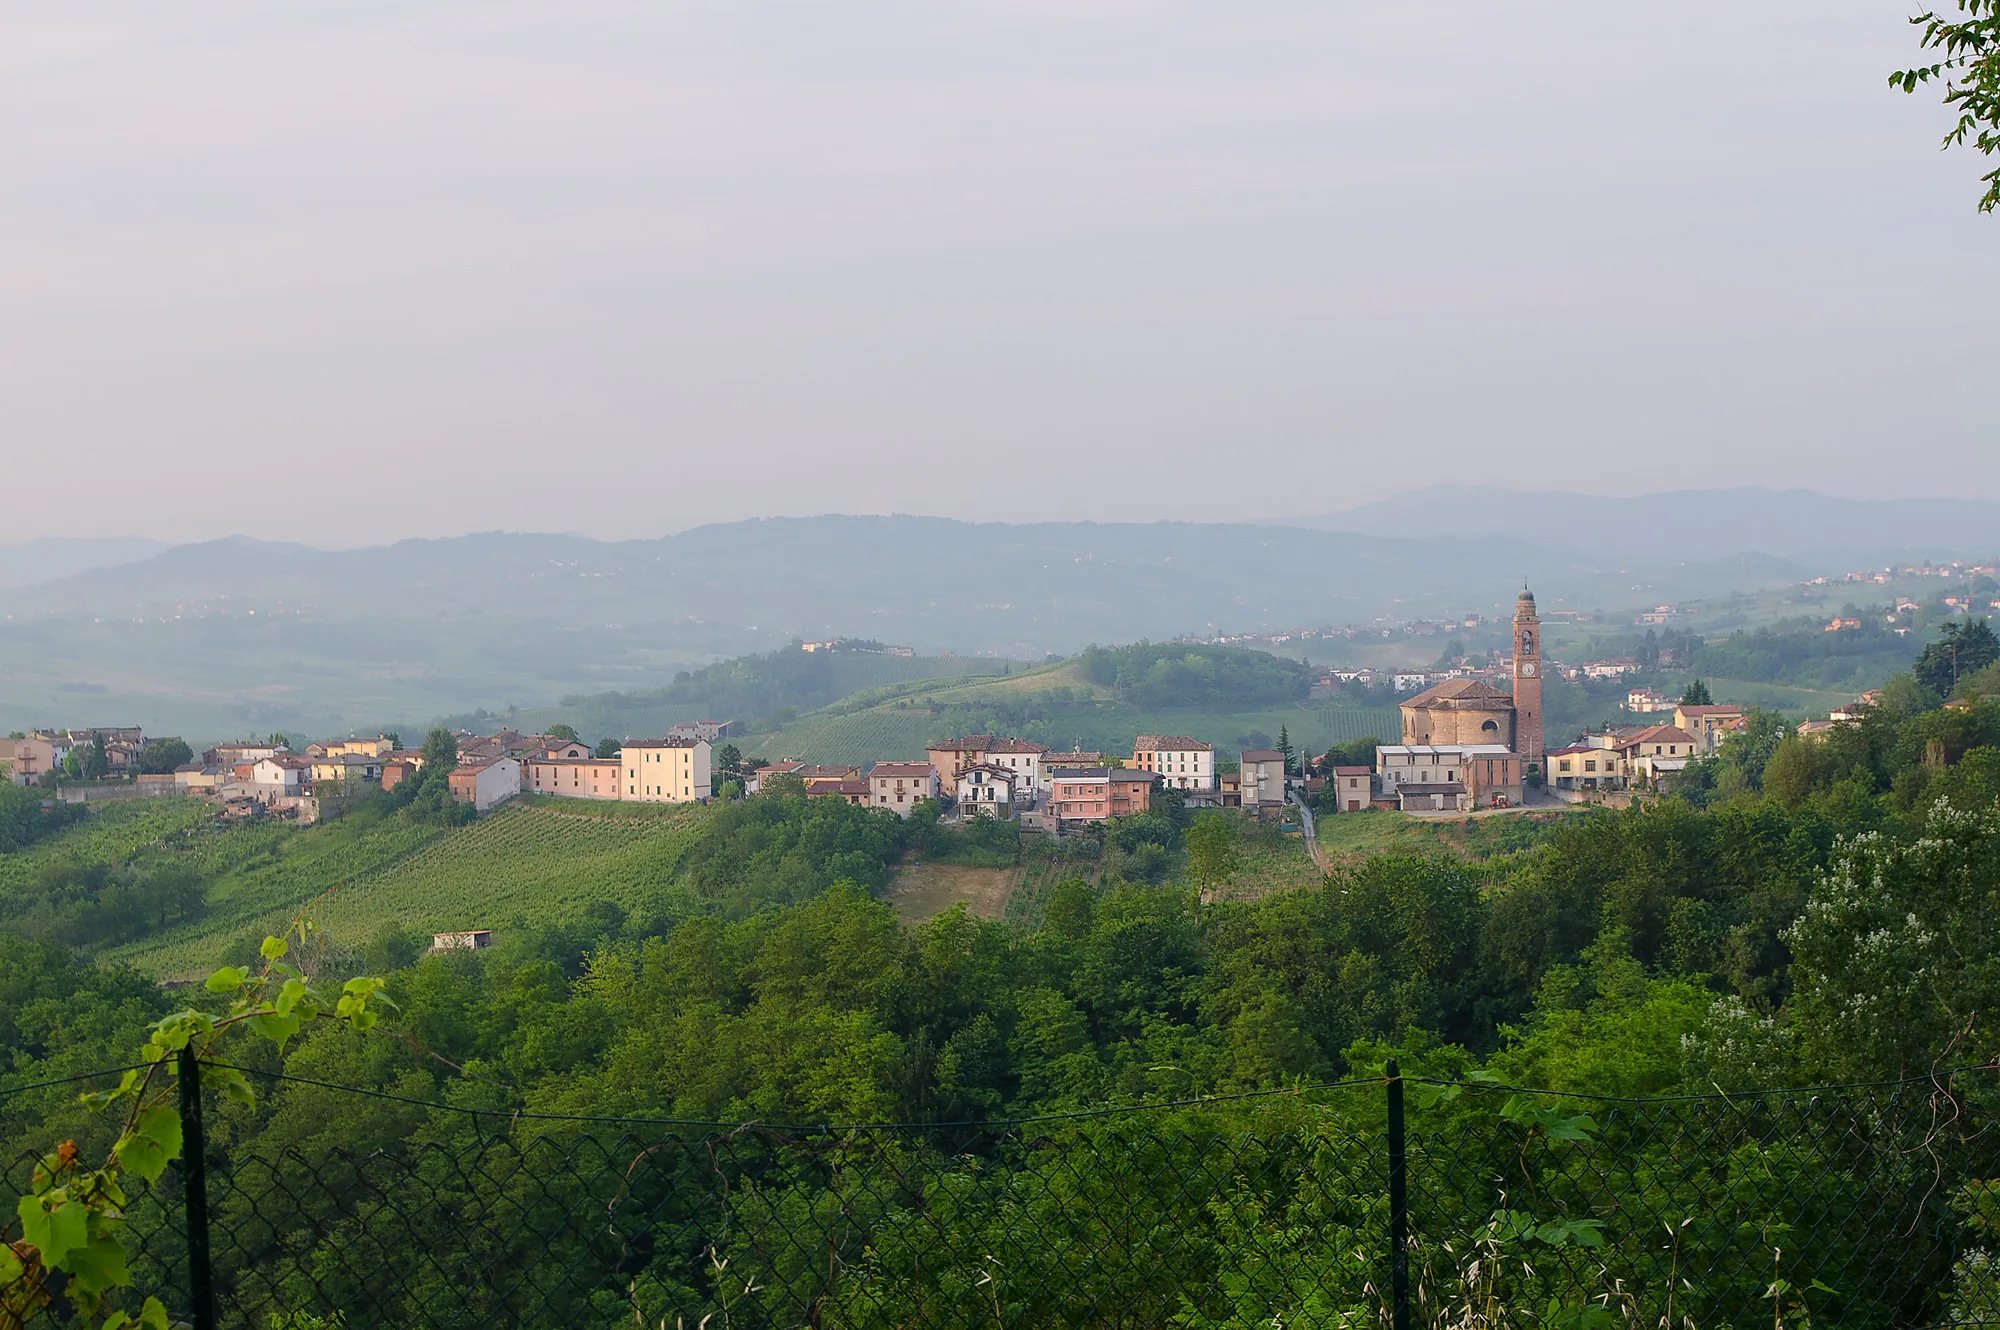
484, 784
574, 777
1092, 794
670, 770
897, 786
1181, 763
1261, 777
986, 790
1353, 788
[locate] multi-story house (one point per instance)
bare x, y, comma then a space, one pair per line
1092, 794
1180, 762
1261, 777
1353, 788
987, 790
897, 786
574, 777
670, 770
486, 782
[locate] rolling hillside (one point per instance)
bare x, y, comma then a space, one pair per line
529, 862
1053, 704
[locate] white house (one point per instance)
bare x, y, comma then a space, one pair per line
484, 784
986, 790
279, 777
1023, 757
1180, 762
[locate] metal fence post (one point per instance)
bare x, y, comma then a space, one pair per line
194, 1169
1399, 1206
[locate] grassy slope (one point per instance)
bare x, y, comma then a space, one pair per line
1354, 836
539, 860
872, 726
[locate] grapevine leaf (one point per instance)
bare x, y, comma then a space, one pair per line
234, 1085
98, 1265
54, 1230
155, 1141
274, 1026
273, 948
226, 980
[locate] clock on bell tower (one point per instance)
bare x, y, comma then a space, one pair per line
1527, 678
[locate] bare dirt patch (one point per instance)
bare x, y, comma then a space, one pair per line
924, 891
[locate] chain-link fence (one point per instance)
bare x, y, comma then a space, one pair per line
1369, 1203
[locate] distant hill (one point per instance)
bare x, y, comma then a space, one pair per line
1793, 523
52, 557
235, 635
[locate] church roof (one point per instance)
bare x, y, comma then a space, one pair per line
1472, 693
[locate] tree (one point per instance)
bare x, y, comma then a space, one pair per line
608, 747
1970, 71
96, 761
1963, 647
567, 733
1696, 694
1284, 745
728, 768
277, 739
1212, 850
160, 756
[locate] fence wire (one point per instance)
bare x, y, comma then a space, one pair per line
1859, 1206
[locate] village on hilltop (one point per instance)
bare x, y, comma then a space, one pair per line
1466, 744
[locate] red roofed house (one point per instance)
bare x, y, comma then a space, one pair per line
1708, 724
948, 757
484, 784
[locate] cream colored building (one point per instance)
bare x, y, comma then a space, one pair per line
376, 747
897, 786
1179, 762
673, 770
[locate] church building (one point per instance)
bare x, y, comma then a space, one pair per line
1463, 714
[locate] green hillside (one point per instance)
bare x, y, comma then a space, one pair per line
766, 690
524, 863
1070, 704
531, 862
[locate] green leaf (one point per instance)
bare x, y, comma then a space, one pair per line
234, 1085
273, 1026
56, 1230
154, 1142
273, 948
152, 1315
226, 980
98, 1264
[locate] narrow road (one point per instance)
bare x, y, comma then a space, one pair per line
1306, 826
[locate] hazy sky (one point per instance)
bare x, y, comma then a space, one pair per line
348, 272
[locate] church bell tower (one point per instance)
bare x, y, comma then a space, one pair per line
1527, 678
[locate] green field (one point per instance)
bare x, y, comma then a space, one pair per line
532, 861
1352, 836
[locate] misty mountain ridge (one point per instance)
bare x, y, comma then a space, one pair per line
1797, 524
932, 583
